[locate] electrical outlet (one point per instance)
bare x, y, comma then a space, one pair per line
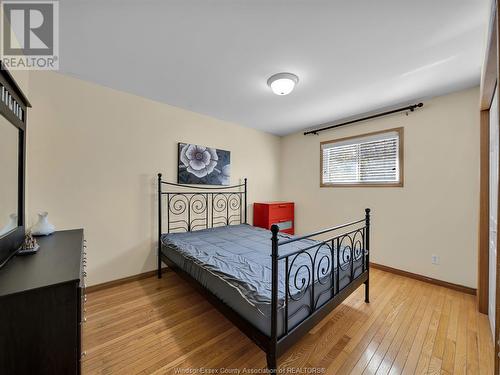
435, 259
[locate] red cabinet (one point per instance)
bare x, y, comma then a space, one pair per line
279, 213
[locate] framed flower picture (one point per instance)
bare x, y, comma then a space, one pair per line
203, 165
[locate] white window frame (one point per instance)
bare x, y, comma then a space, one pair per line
364, 138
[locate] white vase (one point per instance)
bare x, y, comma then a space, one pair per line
12, 224
42, 227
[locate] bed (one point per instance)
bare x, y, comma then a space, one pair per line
275, 287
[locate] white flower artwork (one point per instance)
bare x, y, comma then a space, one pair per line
203, 165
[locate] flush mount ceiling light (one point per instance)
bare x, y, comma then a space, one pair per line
282, 83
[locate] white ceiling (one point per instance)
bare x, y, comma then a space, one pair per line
214, 56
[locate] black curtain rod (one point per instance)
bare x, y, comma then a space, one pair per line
408, 108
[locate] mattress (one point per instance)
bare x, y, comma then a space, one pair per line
234, 263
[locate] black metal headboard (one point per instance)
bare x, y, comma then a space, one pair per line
191, 208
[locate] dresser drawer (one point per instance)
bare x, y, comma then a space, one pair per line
284, 224
280, 211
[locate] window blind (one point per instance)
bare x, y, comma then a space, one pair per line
368, 159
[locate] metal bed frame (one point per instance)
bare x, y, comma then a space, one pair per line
208, 207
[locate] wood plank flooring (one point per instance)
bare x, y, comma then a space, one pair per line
153, 326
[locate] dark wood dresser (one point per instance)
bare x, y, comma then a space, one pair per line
41, 307
280, 213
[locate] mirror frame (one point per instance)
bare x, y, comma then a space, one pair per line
16, 113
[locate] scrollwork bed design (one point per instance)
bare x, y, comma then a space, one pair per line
317, 277
204, 207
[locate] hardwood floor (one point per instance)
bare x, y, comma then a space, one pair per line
163, 326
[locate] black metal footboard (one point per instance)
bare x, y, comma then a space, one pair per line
315, 278
315, 282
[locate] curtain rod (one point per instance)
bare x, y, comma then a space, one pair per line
410, 108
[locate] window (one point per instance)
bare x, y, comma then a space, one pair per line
374, 159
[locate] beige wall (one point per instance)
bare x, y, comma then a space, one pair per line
434, 213
22, 79
93, 156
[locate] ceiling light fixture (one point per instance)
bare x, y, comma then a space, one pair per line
282, 83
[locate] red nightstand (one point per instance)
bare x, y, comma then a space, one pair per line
280, 213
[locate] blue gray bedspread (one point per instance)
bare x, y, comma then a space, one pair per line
241, 255
234, 263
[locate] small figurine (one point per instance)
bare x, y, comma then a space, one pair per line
30, 245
